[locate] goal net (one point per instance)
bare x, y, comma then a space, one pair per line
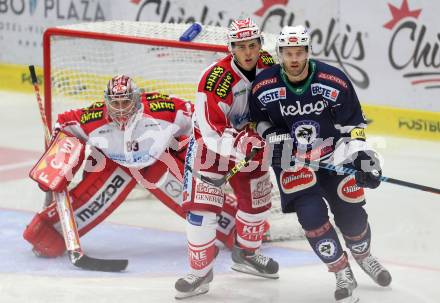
79, 59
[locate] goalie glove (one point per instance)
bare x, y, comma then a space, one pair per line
368, 169
59, 163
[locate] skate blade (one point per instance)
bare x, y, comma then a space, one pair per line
350, 299
243, 268
203, 289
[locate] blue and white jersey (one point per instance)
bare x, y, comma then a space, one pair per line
316, 114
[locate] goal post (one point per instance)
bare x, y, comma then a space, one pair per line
79, 59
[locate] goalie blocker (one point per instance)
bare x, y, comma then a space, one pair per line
100, 192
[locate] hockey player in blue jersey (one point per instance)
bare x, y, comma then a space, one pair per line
308, 111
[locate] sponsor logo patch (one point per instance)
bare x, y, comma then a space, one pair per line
303, 109
297, 179
305, 131
208, 194
212, 77
264, 83
358, 133
272, 95
225, 86
333, 78
325, 91
267, 59
349, 191
160, 106
261, 191
327, 248
91, 116
92, 113
157, 96
194, 219
102, 199
360, 248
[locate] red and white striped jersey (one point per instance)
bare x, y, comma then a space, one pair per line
221, 106
159, 119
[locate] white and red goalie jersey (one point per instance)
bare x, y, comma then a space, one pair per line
221, 105
160, 119
148, 151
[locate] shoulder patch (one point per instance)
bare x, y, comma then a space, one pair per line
264, 83
267, 58
157, 96
325, 91
212, 78
225, 85
162, 105
332, 78
92, 113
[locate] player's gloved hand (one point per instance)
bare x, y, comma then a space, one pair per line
246, 140
275, 138
369, 170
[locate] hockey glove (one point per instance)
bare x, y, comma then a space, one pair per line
246, 140
275, 138
369, 170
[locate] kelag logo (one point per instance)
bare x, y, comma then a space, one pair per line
420, 61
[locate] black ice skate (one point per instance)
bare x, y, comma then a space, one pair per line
375, 270
345, 284
193, 285
254, 263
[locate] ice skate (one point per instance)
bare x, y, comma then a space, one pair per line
375, 270
254, 263
193, 285
345, 284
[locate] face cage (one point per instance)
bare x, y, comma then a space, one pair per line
118, 115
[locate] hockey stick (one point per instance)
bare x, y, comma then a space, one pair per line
232, 172
350, 171
65, 212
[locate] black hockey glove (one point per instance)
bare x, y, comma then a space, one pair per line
369, 170
275, 138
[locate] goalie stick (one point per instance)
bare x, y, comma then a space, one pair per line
232, 172
65, 212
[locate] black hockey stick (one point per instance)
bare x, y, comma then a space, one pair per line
220, 181
350, 171
65, 212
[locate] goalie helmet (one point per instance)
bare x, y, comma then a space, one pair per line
122, 99
292, 36
242, 30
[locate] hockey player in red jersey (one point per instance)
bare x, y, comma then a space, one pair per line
309, 110
134, 138
221, 137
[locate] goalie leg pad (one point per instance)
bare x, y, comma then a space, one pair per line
45, 239
94, 198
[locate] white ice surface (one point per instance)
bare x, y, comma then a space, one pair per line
405, 225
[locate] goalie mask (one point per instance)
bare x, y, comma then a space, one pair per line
243, 30
122, 99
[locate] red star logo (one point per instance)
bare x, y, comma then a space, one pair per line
400, 13
268, 4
